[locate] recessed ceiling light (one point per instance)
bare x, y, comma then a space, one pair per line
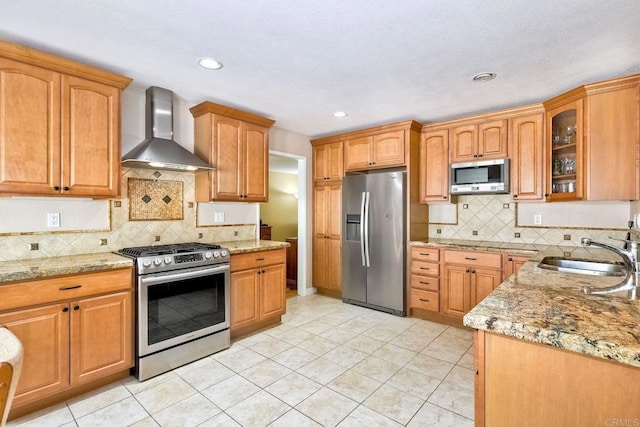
210, 63
340, 114
484, 77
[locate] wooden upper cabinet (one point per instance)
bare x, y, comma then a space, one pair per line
60, 132
236, 144
328, 162
434, 167
375, 151
484, 141
526, 145
90, 138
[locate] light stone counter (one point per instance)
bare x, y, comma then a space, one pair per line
548, 307
39, 268
245, 246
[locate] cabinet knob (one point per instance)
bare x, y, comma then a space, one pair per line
65, 188
473, 271
64, 310
57, 188
76, 308
468, 270
475, 156
509, 259
263, 271
444, 197
546, 194
479, 155
515, 196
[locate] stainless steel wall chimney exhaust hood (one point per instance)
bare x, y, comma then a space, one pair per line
159, 150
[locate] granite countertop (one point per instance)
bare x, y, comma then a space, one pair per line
480, 245
38, 268
245, 246
548, 307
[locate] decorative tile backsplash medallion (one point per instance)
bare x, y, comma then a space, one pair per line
154, 200
126, 233
485, 218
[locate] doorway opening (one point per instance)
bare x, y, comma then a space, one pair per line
284, 217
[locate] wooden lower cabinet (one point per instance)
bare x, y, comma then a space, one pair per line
424, 290
327, 263
258, 290
468, 278
512, 263
72, 342
524, 383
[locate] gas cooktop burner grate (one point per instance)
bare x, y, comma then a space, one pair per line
177, 248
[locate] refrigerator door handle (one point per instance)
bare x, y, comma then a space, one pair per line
367, 205
362, 213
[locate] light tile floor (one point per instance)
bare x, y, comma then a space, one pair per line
328, 363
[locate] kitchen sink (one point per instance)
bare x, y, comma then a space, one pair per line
582, 266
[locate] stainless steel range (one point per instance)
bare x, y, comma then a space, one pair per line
182, 301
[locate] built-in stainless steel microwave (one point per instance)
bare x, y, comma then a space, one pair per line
481, 177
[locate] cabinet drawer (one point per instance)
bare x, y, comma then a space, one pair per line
484, 259
425, 268
425, 283
257, 259
425, 300
35, 292
425, 254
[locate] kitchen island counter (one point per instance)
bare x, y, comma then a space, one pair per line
548, 307
37, 268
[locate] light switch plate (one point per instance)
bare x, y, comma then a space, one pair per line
53, 219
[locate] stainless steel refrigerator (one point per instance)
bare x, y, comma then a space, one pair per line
373, 242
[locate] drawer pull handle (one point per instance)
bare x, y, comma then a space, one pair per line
470, 258
259, 259
66, 288
424, 283
425, 268
424, 254
424, 300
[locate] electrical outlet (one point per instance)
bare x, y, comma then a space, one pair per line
53, 219
218, 217
537, 219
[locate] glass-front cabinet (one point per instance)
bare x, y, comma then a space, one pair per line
565, 152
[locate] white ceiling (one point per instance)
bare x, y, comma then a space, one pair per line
381, 61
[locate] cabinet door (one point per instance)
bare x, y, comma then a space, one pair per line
255, 163
320, 273
483, 282
321, 195
334, 211
463, 143
357, 153
333, 264
227, 152
527, 157
456, 295
30, 130
564, 160
90, 138
335, 163
320, 162
272, 291
512, 264
612, 139
388, 149
244, 298
101, 336
434, 167
44, 333
492, 140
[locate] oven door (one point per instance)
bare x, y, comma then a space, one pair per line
179, 306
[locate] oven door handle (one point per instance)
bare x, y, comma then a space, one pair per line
177, 275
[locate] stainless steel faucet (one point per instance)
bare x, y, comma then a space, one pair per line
629, 256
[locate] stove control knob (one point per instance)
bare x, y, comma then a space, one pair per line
224, 253
146, 263
216, 254
157, 261
167, 260
208, 255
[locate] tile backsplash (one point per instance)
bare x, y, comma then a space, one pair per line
493, 218
126, 233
